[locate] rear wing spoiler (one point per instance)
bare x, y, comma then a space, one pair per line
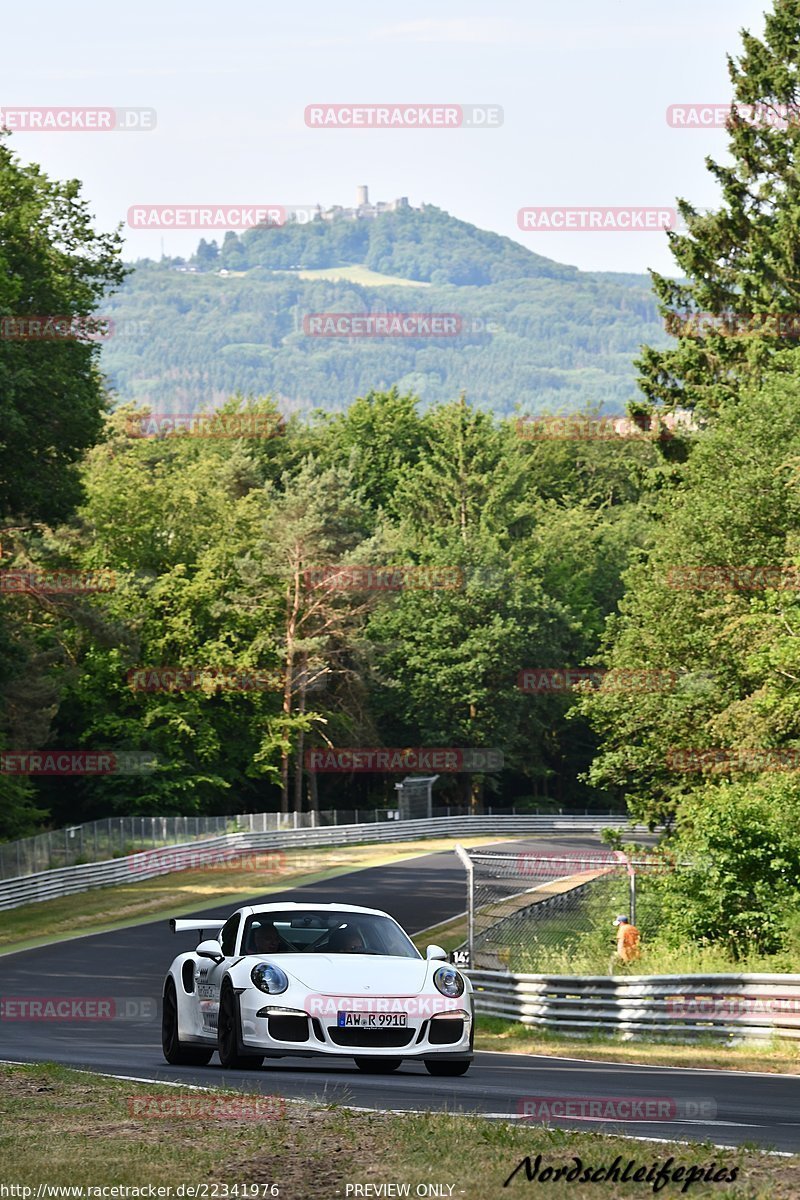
180, 926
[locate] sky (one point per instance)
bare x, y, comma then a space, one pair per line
584, 87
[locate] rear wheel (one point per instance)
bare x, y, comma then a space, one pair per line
378, 1066
230, 1056
442, 1066
175, 1052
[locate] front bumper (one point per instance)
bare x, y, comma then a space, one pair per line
270, 1027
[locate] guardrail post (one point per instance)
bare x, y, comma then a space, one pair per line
469, 867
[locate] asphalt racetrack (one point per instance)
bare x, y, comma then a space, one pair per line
131, 963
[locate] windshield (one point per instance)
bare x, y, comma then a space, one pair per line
309, 932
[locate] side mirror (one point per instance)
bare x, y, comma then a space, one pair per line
436, 952
210, 949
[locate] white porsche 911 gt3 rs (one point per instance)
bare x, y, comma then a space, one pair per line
315, 979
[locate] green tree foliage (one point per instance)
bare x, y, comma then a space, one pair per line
52, 265
741, 889
533, 332
211, 541
730, 643
741, 260
412, 243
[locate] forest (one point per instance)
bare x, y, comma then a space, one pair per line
584, 621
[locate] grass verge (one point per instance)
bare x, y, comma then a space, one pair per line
357, 273
776, 1057
184, 892
64, 1128
448, 935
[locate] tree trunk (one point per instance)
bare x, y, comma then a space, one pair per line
292, 611
313, 795
301, 737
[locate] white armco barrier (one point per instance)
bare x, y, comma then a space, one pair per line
65, 881
729, 1007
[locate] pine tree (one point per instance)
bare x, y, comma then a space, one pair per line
742, 261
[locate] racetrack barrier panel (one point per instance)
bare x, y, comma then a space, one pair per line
731, 1008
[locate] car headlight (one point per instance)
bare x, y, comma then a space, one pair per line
269, 978
449, 982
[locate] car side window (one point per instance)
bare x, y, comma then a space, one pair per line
227, 937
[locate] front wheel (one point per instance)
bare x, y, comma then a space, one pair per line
174, 1050
230, 1056
378, 1066
441, 1066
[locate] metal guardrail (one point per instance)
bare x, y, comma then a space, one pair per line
729, 1007
66, 881
115, 837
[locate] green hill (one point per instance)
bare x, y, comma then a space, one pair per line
531, 331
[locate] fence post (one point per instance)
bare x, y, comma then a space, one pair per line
623, 858
469, 867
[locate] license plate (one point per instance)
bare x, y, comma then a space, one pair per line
364, 1020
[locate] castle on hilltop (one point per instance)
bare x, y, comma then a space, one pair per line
364, 210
